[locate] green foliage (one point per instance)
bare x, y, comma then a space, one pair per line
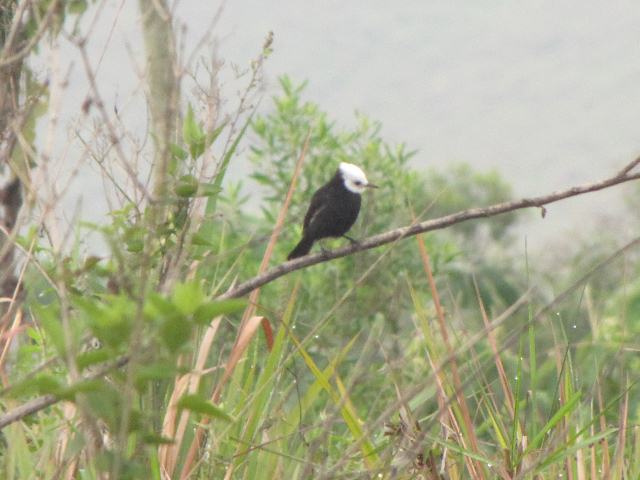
197, 404
363, 372
404, 194
460, 187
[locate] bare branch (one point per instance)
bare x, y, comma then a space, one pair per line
374, 241
40, 403
106, 119
8, 56
426, 226
629, 167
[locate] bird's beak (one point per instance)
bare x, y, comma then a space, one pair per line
371, 185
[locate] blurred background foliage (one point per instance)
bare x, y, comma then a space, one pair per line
404, 195
367, 318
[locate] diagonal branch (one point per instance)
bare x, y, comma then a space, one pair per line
427, 226
40, 403
44, 401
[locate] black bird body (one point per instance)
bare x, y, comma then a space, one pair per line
333, 210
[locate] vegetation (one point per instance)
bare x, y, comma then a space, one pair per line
446, 355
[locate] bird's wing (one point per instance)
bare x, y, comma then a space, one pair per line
318, 203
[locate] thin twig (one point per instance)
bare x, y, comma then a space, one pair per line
507, 344
244, 288
629, 167
8, 56
426, 226
40, 403
251, 308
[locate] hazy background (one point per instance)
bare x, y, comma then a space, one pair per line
546, 92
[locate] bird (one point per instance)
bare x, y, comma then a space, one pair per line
333, 209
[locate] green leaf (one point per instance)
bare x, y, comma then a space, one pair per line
186, 186
178, 152
157, 306
175, 332
111, 320
91, 357
193, 135
155, 439
106, 402
187, 297
86, 386
207, 228
208, 311
134, 239
566, 450
46, 383
158, 371
35, 335
338, 395
199, 239
563, 411
178, 156
207, 190
90, 262
212, 136
77, 7
40, 384
458, 449
197, 404
262, 178
211, 205
49, 317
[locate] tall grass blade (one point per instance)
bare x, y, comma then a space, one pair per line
558, 416
341, 400
469, 429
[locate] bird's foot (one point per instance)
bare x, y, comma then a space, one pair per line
325, 251
353, 241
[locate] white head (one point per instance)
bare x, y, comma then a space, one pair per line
354, 178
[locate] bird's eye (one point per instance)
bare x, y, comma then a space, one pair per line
358, 183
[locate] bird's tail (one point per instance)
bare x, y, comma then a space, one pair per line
301, 249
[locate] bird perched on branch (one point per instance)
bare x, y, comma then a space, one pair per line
333, 209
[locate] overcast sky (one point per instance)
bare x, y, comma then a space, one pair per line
546, 92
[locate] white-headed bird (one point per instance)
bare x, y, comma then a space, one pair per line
334, 208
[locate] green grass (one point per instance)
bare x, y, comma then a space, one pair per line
427, 358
